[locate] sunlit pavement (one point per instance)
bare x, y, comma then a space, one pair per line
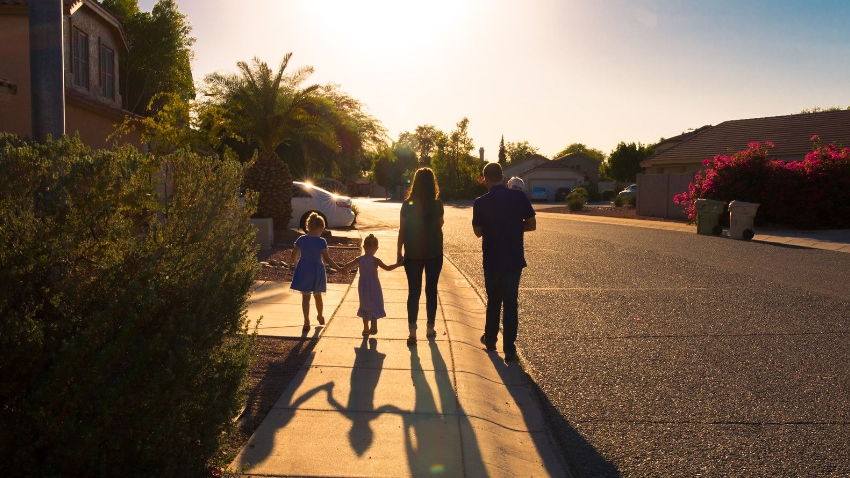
373, 406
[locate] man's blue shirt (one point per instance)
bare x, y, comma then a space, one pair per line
500, 214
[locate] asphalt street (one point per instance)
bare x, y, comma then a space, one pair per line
660, 353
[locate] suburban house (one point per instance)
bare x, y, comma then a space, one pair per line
568, 171
93, 42
521, 166
672, 168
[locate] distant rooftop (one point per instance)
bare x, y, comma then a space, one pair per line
790, 134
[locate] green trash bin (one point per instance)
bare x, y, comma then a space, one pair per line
708, 216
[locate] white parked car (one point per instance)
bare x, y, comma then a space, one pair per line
629, 191
306, 198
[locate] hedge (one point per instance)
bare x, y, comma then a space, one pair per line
124, 341
813, 193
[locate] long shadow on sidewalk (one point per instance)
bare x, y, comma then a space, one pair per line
581, 456
365, 373
424, 427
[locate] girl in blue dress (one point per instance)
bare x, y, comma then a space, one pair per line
309, 277
368, 286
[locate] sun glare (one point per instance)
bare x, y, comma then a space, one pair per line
389, 28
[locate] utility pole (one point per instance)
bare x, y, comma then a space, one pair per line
47, 71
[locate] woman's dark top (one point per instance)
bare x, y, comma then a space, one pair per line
423, 234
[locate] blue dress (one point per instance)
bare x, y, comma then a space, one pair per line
309, 276
369, 290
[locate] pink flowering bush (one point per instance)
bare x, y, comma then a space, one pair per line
813, 193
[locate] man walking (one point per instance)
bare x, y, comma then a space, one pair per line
501, 217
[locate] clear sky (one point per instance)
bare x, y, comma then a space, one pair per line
550, 72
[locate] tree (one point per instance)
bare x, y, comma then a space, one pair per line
457, 170
459, 147
581, 148
160, 54
818, 109
426, 137
518, 151
356, 134
503, 153
405, 157
623, 163
268, 109
381, 164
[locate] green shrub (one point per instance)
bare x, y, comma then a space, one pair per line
577, 199
618, 201
575, 204
578, 192
123, 343
608, 194
630, 201
356, 211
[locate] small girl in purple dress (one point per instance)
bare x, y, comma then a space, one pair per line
310, 277
368, 286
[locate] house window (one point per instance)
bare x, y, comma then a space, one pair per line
107, 72
80, 45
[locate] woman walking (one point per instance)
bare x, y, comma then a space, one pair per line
420, 236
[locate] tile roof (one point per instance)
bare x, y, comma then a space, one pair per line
791, 136
529, 158
570, 156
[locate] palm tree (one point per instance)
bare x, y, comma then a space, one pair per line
268, 109
357, 133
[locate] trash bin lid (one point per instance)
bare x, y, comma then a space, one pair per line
743, 208
743, 204
709, 205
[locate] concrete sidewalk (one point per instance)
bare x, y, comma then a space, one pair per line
376, 407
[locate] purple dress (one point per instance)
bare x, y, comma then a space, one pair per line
369, 289
310, 276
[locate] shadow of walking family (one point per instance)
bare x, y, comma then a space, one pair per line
427, 428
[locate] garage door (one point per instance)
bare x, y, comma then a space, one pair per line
552, 185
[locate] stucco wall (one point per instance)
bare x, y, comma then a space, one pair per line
15, 110
93, 122
655, 194
94, 128
586, 166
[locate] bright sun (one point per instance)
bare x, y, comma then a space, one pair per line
389, 28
